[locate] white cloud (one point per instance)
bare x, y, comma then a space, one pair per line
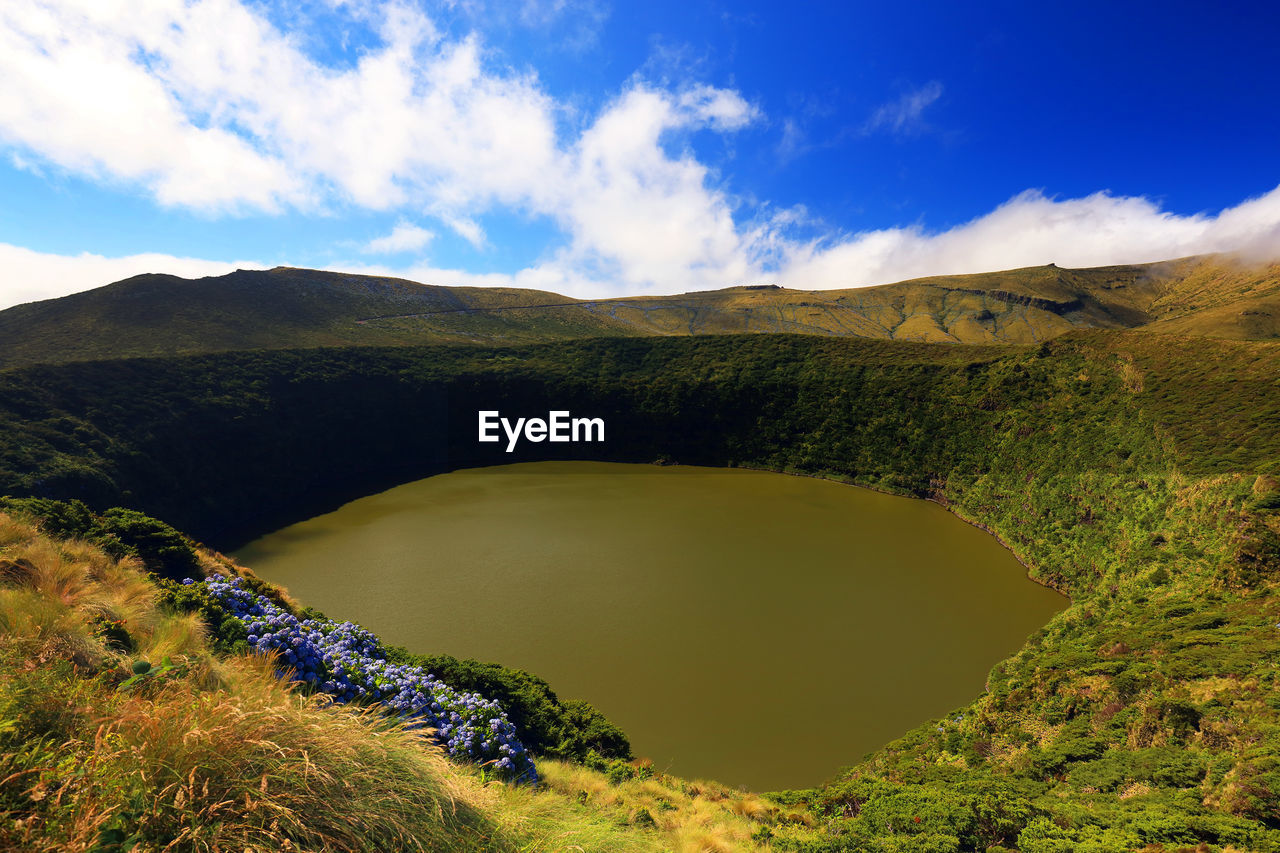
464, 226
905, 115
419, 124
80, 94
718, 108
1031, 229
207, 105
639, 216
405, 237
1028, 230
31, 276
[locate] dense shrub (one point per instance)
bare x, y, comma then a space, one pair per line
161, 548
549, 726
118, 531
527, 700
346, 662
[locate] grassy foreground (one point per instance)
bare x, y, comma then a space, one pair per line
214, 752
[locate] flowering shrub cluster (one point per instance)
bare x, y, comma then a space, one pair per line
347, 662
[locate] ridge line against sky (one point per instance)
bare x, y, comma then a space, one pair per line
568, 146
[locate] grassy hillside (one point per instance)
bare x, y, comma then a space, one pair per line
105, 748
1139, 473
289, 308
280, 308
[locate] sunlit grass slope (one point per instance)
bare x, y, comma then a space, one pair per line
214, 752
288, 308
284, 307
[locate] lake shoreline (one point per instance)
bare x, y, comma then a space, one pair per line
942, 502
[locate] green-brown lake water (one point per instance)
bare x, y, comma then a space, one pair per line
755, 628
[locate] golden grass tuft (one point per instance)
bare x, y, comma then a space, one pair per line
706, 840
54, 593
687, 816
1137, 789
262, 765
54, 574
579, 783
44, 629
15, 532
172, 635
753, 808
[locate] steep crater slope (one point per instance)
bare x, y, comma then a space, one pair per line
1137, 473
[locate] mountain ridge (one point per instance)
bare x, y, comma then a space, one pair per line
290, 307
1137, 472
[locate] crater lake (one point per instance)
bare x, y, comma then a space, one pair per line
755, 628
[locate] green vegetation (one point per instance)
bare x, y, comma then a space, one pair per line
1136, 472
103, 750
287, 308
283, 307
550, 727
569, 729
118, 531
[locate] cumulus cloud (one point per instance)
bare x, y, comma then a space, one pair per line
405, 237
79, 94
641, 216
905, 115
31, 276
206, 105
1032, 229
1028, 230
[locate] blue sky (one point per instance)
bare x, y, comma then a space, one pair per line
597, 148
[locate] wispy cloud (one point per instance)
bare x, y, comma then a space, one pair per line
906, 114
405, 237
581, 19
793, 143
573, 24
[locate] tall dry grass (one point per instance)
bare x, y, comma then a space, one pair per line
219, 755
688, 817
56, 595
